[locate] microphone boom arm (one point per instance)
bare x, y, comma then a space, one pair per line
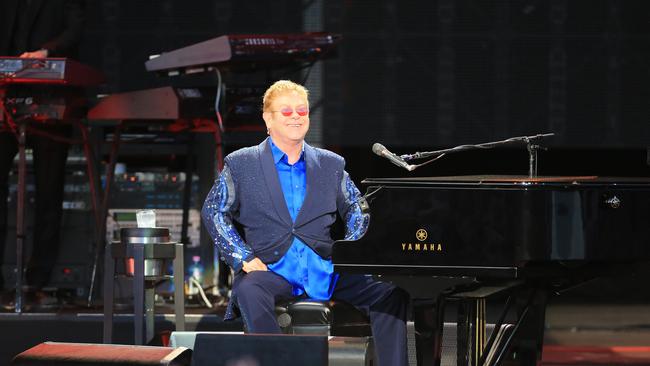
531, 146
485, 145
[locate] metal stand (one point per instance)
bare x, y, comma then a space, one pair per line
100, 199
143, 287
20, 204
532, 148
20, 217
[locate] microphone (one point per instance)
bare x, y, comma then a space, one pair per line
382, 151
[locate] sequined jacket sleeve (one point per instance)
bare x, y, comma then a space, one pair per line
217, 216
353, 208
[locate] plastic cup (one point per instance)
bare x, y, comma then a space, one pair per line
146, 218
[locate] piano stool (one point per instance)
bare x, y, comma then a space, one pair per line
350, 341
332, 317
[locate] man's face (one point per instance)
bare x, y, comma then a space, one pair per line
288, 118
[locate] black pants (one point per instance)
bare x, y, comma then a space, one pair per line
257, 292
49, 170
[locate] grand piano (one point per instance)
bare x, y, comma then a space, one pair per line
521, 237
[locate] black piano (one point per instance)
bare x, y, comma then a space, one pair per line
522, 237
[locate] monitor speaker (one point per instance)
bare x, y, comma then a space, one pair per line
87, 354
259, 349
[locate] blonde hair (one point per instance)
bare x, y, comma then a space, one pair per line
281, 87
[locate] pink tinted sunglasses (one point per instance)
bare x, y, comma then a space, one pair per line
288, 111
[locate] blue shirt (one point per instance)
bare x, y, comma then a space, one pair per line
301, 266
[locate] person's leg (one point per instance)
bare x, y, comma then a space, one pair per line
49, 170
387, 307
256, 294
8, 150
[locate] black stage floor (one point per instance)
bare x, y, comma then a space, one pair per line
589, 332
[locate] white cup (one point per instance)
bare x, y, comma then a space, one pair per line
146, 218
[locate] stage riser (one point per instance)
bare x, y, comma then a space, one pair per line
20, 332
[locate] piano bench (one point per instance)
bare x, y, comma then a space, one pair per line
333, 317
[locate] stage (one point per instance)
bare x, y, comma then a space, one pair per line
577, 333
503, 145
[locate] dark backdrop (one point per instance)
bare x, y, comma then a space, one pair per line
447, 72
122, 34
427, 73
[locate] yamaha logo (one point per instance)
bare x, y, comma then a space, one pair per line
420, 246
421, 235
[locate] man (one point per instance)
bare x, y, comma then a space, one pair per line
38, 29
285, 195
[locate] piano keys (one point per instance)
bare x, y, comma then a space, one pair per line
247, 50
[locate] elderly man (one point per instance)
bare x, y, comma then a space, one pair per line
285, 195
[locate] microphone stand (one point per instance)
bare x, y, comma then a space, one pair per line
531, 145
20, 200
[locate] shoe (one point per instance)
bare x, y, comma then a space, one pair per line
32, 300
8, 300
41, 300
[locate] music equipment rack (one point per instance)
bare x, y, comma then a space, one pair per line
43, 89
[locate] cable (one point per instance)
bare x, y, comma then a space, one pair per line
217, 99
428, 161
9, 119
309, 67
201, 292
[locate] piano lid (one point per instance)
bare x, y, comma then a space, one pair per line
509, 180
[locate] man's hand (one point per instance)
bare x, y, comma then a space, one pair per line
36, 54
255, 265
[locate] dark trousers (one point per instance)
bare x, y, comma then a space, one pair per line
49, 170
257, 293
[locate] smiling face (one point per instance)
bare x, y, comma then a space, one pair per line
290, 127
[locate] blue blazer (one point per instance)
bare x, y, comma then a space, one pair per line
248, 192
260, 208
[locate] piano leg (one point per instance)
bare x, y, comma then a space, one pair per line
527, 346
524, 341
521, 342
428, 317
470, 331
